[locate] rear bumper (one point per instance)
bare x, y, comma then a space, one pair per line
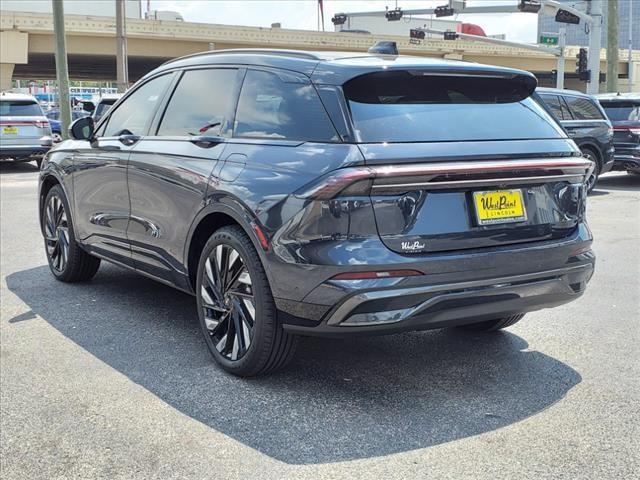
24, 151
447, 305
628, 159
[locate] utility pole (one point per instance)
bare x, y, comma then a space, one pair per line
630, 47
62, 69
612, 46
562, 40
595, 43
122, 68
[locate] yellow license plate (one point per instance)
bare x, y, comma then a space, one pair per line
10, 130
500, 206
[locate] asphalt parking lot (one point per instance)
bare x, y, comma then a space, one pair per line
111, 379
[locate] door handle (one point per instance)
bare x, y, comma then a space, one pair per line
206, 141
128, 140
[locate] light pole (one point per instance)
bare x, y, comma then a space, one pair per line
595, 43
122, 68
62, 69
612, 46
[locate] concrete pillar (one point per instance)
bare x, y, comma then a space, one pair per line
6, 72
14, 47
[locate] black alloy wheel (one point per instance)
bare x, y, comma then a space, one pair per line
237, 312
56, 233
67, 260
227, 301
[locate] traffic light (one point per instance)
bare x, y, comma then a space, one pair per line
393, 15
529, 6
563, 16
339, 19
449, 35
416, 34
444, 11
581, 66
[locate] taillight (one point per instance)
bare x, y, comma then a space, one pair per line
632, 130
41, 123
376, 275
358, 181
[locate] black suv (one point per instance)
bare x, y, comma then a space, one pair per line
623, 109
586, 123
298, 193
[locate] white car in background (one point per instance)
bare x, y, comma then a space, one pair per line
25, 133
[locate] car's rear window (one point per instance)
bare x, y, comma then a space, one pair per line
19, 108
404, 107
622, 111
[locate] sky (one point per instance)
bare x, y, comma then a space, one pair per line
302, 14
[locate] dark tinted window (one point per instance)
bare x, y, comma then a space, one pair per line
620, 111
134, 115
553, 103
582, 108
270, 107
200, 103
402, 107
20, 108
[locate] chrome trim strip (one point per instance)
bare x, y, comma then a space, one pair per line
574, 164
343, 310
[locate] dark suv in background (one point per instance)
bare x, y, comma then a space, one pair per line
337, 194
623, 109
586, 123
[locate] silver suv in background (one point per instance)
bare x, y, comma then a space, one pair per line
25, 133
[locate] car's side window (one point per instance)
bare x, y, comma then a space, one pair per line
201, 102
134, 115
553, 103
270, 107
582, 108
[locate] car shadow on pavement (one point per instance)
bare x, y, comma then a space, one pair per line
338, 400
618, 181
18, 167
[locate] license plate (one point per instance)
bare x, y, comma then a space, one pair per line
10, 130
499, 206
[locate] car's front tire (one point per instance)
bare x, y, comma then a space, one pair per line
67, 260
236, 308
494, 325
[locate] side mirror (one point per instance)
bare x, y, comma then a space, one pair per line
88, 107
82, 129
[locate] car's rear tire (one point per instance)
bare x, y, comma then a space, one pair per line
67, 260
494, 325
593, 157
236, 309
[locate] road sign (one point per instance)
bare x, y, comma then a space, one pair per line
548, 39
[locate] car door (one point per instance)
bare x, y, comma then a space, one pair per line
101, 196
587, 122
169, 171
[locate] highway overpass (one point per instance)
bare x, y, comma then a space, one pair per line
27, 47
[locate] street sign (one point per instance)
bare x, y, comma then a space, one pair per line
548, 39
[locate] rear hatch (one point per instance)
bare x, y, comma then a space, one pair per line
625, 117
21, 123
463, 161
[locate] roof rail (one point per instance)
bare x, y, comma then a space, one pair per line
256, 51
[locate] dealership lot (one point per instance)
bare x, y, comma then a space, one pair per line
111, 379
